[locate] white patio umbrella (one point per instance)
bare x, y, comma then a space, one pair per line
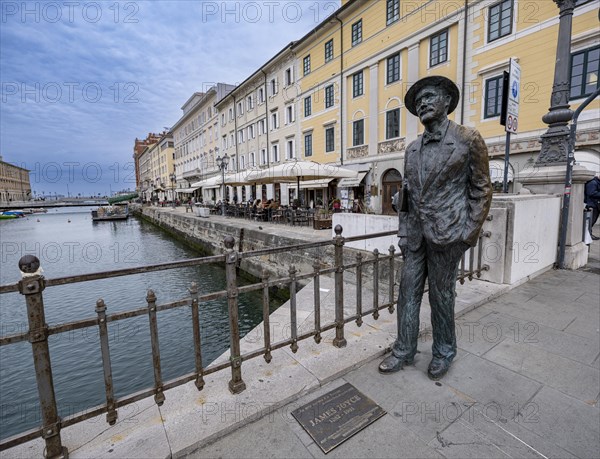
299, 170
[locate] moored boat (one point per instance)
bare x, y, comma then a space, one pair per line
110, 213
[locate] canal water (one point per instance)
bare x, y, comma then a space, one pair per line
67, 242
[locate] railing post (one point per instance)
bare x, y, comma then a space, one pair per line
159, 396
339, 340
266, 316
359, 319
111, 415
32, 285
236, 385
317, 299
376, 284
197, 338
293, 312
392, 278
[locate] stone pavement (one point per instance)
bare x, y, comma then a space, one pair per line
526, 383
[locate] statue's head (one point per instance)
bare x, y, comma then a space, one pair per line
432, 97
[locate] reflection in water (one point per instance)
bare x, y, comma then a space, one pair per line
68, 243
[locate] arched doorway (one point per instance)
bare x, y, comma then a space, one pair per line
390, 184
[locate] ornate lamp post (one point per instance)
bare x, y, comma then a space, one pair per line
173, 177
222, 164
554, 171
555, 140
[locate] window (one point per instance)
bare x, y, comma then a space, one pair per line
222, 119
263, 156
307, 106
357, 84
289, 114
584, 72
230, 114
274, 121
261, 95
249, 103
392, 124
438, 48
275, 152
251, 132
358, 132
231, 140
262, 125
273, 86
306, 65
252, 160
289, 146
289, 79
392, 11
493, 97
329, 50
240, 108
393, 68
224, 142
329, 139
356, 33
500, 20
308, 145
329, 96
240, 136
242, 162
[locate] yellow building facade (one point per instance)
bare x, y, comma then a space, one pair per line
370, 52
14, 183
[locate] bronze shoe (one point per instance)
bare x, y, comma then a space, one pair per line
438, 368
392, 364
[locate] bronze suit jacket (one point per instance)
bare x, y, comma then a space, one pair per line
451, 203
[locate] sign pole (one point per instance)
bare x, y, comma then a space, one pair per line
510, 111
506, 164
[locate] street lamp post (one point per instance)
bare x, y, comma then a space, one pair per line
173, 177
222, 164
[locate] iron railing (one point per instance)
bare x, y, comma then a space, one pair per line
33, 284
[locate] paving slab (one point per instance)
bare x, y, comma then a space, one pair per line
570, 377
570, 423
477, 435
491, 385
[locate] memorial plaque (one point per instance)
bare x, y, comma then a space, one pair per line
336, 416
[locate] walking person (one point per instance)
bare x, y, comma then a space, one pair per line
592, 201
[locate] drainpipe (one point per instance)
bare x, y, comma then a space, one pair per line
235, 133
341, 90
464, 64
266, 115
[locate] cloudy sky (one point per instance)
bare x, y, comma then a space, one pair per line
81, 80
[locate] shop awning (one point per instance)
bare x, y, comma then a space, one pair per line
497, 171
187, 190
352, 182
312, 184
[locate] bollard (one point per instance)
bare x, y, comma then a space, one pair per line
236, 385
32, 285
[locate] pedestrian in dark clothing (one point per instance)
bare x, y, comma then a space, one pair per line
592, 200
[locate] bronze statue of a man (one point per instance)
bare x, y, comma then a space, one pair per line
446, 197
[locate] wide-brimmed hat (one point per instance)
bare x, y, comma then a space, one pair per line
440, 81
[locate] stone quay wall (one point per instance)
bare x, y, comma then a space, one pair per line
207, 235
